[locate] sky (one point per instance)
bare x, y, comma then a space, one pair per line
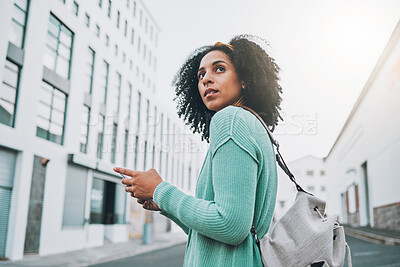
326, 51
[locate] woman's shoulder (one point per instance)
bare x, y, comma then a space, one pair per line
236, 123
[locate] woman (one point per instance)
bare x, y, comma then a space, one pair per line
237, 184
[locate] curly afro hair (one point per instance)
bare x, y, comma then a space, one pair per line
254, 67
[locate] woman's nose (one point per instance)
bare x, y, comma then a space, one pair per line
207, 79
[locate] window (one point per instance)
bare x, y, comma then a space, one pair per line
139, 102
310, 173
118, 18
8, 93
100, 136
51, 114
144, 51
116, 93
134, 8
322, 172
123, 57
107, 40
85, 119
58, 48
282, 203
146, 23
126, 147
147, 115
107, 202
132, 36
87, 20
89, 71
128, 3
155, 123
310, 188
97, 30
136, 152
129, 97
140, 17
18, 22
149, 58
161, 137
114, 142
75, 8
104, 81
145, 156
109, 9
100, 3
138, 48
151, 32
156, 39
130, 64
75, 196
126, 29
116, 49
323, 188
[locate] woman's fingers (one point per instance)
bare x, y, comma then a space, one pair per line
140, 201
124, 171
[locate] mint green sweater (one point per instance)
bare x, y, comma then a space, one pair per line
236, 189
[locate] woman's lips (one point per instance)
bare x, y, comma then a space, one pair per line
211, 94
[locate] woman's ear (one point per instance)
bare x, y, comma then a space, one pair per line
243, 85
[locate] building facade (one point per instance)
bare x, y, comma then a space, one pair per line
78, 96
363, 164
310, 173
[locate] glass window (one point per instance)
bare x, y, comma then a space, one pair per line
97, 30
100, 3
100, 136
322, 173
145, 156
89, 70
75, 196
119, 204
310, 173
87, 20
116, 93
114, 143
84, 137
134, 8
116, 49
138, 44
323, 188
146, 25
97, 201
136, 152
51, 114
118, 18
139, 102
8, 93
132, 36
126, 28
109, 9
18, 22
104, 81
140, 17
310, 188
107, 40
58, 48
126, 147
75, 8
147, 115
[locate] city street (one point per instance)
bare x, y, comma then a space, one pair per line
364, 254
170, 257
367, 254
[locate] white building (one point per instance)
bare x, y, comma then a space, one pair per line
78, 97
364, 162
310, 173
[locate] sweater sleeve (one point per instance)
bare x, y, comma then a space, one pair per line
229, 216
174, 219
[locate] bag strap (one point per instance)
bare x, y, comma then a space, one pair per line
278, 156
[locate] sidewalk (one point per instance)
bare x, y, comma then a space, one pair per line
378, 236
101, 254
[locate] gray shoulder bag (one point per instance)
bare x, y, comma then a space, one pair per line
303, 236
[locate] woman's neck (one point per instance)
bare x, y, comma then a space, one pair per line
238, 102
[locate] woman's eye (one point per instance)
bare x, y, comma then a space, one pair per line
220, 69
201, 75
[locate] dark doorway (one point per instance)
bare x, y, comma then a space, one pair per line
365, 180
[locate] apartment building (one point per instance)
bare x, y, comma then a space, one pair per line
78, 96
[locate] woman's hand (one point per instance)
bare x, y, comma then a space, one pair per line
141, 184
148, 205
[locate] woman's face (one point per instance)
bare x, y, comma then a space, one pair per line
216, 72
